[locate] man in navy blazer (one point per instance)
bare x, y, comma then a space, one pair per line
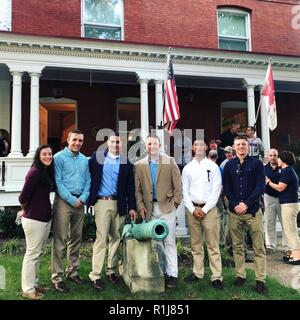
112, 194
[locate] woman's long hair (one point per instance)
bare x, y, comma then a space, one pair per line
47, 172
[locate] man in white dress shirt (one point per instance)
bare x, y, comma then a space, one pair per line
201, 183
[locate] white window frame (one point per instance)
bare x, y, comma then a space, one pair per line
103, 25
247, 22
5, 17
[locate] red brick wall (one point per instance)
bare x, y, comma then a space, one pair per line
185, 23
54, 18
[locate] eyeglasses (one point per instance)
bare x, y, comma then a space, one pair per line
239, 169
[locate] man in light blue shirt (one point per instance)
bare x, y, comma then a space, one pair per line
73, 183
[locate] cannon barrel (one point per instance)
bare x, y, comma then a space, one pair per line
155, 229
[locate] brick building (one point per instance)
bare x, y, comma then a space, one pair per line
90, 63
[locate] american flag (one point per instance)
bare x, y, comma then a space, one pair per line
171, 110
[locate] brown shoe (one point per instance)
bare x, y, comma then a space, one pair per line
113, 278
32, 295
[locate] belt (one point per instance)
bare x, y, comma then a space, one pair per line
201, 205
154, 200
107, 198
76, 195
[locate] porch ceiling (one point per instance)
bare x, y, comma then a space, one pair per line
94, 76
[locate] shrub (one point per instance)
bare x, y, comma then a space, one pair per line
8, 227
11, 247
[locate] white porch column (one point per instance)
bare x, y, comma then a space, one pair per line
144, 108
251, 104
159, 110
16, 115
34, 114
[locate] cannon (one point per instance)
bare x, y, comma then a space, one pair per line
140, 267
155, 229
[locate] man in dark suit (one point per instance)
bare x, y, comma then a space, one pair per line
112, 194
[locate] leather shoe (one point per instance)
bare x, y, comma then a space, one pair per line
35, 295
191, 278
113, 278
239, 281
218, 284
76, 279
97, 284
260, 287
60, 286
291, 261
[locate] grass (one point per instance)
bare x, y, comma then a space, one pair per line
201, 290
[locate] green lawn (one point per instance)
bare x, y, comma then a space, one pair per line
201, 290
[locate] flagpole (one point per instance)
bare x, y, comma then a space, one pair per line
161, 126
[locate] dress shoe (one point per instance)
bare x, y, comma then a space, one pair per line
218, 284
41, 289
113, 278
172, 282
60, 286
76, 279
291, 261
239, 281
35, 295
191, 278
286, 258
97, 284
260, 287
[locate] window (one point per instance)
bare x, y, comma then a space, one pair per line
234, 29
5, 15
102, 19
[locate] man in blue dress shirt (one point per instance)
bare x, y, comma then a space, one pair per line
244, 184
73, 183
113, 195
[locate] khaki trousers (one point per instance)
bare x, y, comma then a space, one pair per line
289, 212
36, 235
272, 210
206, 230
67, 232
109, 228
255, 225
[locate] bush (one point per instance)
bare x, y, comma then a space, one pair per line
12, 247
8, 227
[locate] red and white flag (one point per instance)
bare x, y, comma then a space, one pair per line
268, 99
171, 109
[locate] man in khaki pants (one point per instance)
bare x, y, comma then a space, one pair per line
201, 184
158, 194
244, 184
73, 183
112, 195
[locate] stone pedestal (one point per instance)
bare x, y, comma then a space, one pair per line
140, 266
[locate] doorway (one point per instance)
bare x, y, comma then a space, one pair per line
57, 118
